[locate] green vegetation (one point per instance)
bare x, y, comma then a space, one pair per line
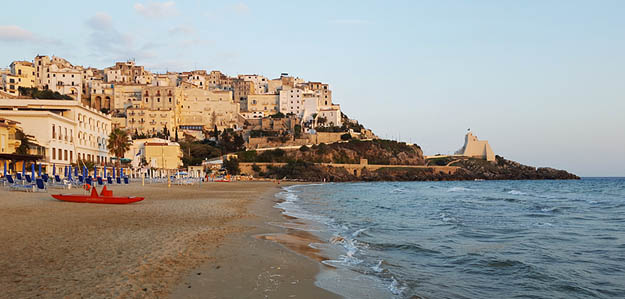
119, 142
194, 152
232, 166
278, 115
24, 142
298, 131
42, 94
263, 133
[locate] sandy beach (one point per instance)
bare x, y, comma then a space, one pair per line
207, 241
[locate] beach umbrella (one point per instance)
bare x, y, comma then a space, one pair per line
95, 171
104, 172
65, 171
39, 172
23, 168
121, 172
5, 168
75, 170
32, 169
113, 171
69, 171
84, 171
53, 169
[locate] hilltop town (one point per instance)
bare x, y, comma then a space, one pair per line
58, 113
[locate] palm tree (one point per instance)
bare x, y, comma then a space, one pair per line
119, 142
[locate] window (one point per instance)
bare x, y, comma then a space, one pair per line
60, 154
65, 155
65, 134
71, 135
170, 100
53, 153
71, 156
53, 133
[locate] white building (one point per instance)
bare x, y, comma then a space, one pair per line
67, 130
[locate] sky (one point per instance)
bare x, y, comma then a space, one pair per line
542, 81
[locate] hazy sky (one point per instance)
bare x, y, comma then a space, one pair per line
543, 81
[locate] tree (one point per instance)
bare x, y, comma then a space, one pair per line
119, 142
298, 131
232, 166
24, 142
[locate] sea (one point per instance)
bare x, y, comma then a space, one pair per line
467, 239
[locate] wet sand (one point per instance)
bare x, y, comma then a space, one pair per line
183, 241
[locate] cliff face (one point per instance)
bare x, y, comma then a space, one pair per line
470, 169
384, 152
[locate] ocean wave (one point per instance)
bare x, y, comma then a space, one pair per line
378, 267
395, 287
516, 192
447, 218
460, 189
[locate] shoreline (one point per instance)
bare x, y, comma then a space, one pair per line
270, 260
150, 249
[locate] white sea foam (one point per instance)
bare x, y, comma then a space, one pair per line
460, 189
516, 192
378, 267
396, 288
447, 218
357, 233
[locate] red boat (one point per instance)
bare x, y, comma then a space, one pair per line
106, 196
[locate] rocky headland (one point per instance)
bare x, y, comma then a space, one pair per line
323, 162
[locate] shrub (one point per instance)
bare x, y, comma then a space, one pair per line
255, 168
304, 149
232, 166
346, 136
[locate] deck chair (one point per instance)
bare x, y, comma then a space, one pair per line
109, 180
100, 182
19, 176
126, 180
28, 179
15, 186
45, 178
118, 180
89, 181
40, 185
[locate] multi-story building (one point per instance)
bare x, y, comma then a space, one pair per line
266, 103
8, 142
155, 112
67, 130
21, 74
205, 109
259, 83
149, 121
241, 89
42, 65
156, 153
308, 104
102, 94
217, 80
64, 80
127, 72
292, 101
127, 95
